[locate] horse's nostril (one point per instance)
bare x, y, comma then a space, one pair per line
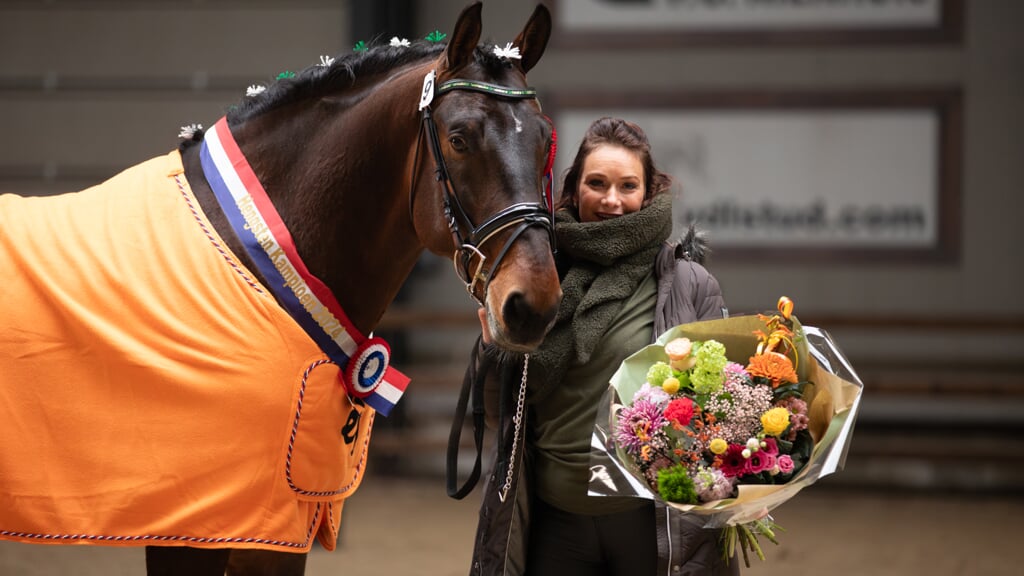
523, 320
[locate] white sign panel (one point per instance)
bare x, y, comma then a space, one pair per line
710, 15
774, 178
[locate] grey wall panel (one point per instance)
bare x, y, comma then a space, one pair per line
99, 131
90, 87
170, 39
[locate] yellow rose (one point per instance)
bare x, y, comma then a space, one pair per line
775, 421
718, 446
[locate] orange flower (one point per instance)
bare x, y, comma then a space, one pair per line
785, 306
774, 367
641, 432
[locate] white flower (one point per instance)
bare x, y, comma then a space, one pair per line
255, 90
188, 132
326, 61
509, 51
399, 42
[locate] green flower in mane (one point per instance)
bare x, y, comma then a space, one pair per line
286, 74
436, 36
359, 47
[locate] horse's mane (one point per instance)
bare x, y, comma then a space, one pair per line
342, 74
339, 75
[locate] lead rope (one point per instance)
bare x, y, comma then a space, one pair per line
518, 421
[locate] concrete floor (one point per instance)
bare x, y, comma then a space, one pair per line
394, 526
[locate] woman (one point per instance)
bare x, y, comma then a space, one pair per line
623, 286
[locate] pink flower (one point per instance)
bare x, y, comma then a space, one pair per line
798, 418
736, 374
797, 422
785, 463
759, 462
740, 406
771, 446
679, 411
711, 484
638, 425
653, 394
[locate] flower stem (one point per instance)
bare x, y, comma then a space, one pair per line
743, 535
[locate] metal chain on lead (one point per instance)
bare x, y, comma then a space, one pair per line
518, 421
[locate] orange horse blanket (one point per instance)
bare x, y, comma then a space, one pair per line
151, 391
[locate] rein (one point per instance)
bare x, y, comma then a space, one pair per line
519, 216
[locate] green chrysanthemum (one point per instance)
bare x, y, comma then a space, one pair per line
675, 485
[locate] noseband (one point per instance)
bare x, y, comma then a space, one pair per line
469, 238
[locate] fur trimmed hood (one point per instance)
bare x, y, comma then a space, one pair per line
693, 246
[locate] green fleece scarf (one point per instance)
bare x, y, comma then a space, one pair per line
609, 259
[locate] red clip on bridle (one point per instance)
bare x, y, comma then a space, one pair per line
549, 170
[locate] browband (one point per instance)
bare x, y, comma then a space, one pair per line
486, 88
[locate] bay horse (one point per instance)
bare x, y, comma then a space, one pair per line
186, 351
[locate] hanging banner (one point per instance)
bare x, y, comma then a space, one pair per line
653, 22
827, 178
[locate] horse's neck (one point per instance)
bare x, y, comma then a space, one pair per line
347, 211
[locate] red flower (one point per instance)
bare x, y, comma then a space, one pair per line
679, 411
732, 462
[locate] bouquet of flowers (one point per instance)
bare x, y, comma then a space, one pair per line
728, 419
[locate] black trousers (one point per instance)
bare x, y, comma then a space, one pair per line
566, 544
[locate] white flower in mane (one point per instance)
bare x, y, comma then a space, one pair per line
509, 51
255, 90
188, 132
399, 42
326, 61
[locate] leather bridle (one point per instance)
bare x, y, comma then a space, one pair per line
467, 237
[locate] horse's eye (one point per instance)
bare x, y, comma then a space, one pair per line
457, 142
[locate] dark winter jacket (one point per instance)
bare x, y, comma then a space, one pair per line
686, 292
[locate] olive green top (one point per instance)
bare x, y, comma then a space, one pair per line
563, 422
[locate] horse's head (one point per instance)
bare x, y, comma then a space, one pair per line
486, 202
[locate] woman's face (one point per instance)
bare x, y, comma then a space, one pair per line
611, 184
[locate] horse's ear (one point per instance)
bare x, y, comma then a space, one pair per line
465, 37
534, 38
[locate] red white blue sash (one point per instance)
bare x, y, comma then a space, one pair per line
363, 361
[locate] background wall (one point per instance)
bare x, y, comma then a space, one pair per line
92, 86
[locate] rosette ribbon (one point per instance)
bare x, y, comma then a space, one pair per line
363, 361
